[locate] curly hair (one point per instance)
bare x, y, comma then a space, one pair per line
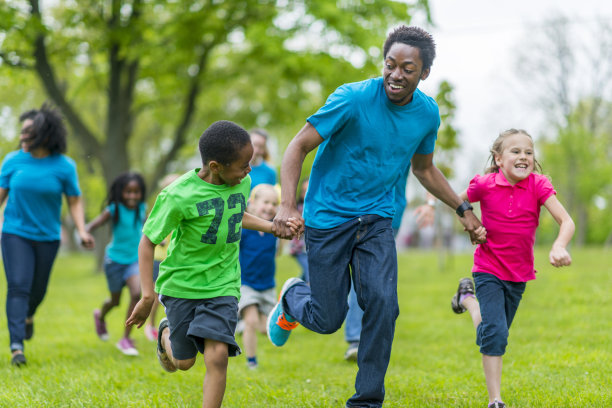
222, 141
115, 193
415, 37
498, 147
47, 129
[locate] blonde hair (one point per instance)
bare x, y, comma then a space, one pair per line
259, 189
498, 147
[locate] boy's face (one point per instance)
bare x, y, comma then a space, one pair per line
233, 173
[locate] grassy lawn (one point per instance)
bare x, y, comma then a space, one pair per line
560, 351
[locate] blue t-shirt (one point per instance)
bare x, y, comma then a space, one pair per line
35, 187
123, 247
367, 147
400, 200
257, 259
262, 174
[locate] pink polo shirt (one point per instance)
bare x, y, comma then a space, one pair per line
511, 215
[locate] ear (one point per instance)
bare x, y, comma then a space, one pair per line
425, 74
497, 160
214, 166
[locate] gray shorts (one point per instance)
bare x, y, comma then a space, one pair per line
193, 320
264, 299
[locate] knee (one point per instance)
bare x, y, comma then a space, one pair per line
493, 339
113, 302
184, 365
216, 356
330, 324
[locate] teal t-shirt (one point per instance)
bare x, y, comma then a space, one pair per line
123, 248
367, 146
202, 259
35, 188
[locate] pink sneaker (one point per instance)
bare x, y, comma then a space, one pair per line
100, 325
150, 332
126, 346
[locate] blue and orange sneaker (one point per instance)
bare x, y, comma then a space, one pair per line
279, 323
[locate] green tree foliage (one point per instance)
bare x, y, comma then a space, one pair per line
447, 142
138, 80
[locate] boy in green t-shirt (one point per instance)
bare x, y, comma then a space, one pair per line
199, 281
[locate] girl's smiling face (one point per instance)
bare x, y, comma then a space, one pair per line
517, 158
131, 195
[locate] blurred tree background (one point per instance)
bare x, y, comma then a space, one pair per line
569, 77
139, 80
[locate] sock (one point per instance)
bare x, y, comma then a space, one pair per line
465, 295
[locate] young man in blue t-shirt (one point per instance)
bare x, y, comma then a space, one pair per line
367, 135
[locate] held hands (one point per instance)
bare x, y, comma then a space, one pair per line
559, 256
471, 224
288, 223
87, 240
140, 313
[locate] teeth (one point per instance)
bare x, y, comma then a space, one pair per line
396, 86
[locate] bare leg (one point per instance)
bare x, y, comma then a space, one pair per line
215, 359
492, 366
472, 305
110, 304
250, 316
183, 365
133, 284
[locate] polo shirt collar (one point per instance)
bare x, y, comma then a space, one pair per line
501, 180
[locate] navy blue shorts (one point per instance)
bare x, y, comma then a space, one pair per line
193, 320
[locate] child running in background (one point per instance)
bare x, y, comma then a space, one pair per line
258, 266
199, 282
510, 194
126, 211
161, 251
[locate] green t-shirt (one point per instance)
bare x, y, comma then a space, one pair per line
202, 259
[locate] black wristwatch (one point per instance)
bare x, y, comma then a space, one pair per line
463, 208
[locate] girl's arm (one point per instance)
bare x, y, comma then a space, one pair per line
98, 221
558, 255
75, 204
463, 195
142, 309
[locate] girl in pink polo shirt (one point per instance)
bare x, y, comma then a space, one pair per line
510, 194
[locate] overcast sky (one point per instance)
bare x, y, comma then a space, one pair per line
476, 51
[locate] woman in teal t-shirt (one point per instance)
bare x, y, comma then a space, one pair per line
34, 179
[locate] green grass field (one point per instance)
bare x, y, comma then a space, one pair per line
560, 351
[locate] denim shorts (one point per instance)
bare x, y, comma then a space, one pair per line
117, 274
499, 300
193, 320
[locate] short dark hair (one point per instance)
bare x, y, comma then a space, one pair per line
47, 129
222, 141
415, 37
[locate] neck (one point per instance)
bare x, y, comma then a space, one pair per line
40, 152
256, 161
